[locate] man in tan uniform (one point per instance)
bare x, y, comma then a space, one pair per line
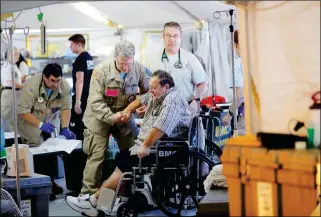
114, 84
45, 104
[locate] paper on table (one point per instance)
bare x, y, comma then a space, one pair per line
56, 144
9, 135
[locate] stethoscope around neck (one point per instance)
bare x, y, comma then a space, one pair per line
178, 64
40, 99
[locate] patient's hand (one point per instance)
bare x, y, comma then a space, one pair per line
193, 105
143, 151
125, 117
141, 110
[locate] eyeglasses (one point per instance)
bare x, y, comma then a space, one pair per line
168, 36
128, 64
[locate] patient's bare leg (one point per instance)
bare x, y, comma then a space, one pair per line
111, 182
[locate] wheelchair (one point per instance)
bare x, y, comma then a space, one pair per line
5, 196
173, 182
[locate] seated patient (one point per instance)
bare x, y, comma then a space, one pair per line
167, 114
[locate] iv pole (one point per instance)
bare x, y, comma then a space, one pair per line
231, 12
14, 113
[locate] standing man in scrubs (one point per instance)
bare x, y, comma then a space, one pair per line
82, 69
186, 70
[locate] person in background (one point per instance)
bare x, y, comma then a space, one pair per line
183, 66
82, 69
43, 106
239, 84
21, 71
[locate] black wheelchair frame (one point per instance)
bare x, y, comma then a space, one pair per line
181, 165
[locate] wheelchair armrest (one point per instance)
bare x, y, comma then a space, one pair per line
173, 139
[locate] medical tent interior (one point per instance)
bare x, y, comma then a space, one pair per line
279, 45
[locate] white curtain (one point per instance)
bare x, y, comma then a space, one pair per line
220, 75
284, 59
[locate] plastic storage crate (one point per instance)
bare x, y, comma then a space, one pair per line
34, 191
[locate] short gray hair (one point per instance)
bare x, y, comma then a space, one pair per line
125, 49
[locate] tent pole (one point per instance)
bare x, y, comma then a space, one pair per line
11, 30
231, 12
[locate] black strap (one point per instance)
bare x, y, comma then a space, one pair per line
9, 88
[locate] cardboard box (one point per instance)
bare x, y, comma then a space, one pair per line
26, 166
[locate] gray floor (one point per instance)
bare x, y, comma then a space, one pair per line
59, 207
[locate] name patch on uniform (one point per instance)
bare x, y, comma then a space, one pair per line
112, 92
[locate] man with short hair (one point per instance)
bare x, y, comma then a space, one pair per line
43, 106
82, 69
114, 85
186, 70
167, 114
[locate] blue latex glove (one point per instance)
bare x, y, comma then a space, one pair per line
47, 127
67, 133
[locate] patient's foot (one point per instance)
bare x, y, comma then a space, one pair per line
84, 204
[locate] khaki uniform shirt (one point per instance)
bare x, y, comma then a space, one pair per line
109, 94
48, 110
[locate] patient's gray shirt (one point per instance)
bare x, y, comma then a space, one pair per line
170, 114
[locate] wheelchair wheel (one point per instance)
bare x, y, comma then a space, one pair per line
176, 186
124, 210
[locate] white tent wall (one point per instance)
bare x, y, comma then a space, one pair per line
281, 50
102, 38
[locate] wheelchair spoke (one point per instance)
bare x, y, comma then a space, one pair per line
181, 204
195, 201
174, 183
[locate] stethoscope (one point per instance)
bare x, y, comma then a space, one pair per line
40, 98
178, 64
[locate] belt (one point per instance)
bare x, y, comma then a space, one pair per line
9, 88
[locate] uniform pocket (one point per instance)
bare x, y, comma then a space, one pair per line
88, 138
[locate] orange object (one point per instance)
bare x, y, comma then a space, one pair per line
265, 182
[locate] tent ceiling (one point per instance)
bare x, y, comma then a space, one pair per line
13, 6
131, 14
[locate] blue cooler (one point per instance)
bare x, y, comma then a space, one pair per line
34, 191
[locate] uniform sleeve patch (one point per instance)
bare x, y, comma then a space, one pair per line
96, 74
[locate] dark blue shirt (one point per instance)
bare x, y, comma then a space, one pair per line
83, 63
